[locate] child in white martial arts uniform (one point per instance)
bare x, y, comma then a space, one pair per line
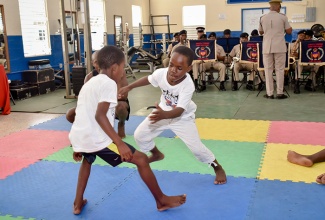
176, 111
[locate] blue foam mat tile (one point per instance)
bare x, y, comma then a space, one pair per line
287, 200
46, 190
134, 122
59, 123
204, 199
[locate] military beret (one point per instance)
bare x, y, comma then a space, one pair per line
302, 32
309, 33
182, 32
212, 34
244, 35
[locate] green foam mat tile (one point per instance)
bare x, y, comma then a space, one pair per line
237, 158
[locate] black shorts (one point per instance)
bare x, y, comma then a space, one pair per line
129, 110
109, 154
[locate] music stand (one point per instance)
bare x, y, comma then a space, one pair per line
260, 64
312, 53
249, 54
204, 50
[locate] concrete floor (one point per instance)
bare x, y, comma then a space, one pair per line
212, 103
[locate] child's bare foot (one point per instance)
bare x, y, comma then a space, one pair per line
299, 159
121, 130
221, 177
169, 202
78, 208
156, 157
321, 179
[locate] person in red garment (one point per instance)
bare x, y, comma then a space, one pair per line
5, 92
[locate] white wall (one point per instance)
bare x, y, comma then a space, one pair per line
232, 12
173, 8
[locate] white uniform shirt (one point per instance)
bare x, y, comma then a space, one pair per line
235, 50
86, 135
179, 95
220, 51
274, 25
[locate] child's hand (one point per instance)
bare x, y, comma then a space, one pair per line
157, 114
125, 152
77, 156
122, 92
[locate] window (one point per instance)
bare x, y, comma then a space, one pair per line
136, 20
191, 22
97, 23
253, 1
34, 27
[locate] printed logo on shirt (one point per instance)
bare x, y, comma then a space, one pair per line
171, 100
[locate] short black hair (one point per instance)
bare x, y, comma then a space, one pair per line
227, 31
254, 32
185, 51
109, 55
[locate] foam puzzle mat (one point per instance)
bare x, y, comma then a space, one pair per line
37, 171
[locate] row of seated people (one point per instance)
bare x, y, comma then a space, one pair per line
303, 35
220, 64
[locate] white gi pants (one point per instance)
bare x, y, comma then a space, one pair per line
185, 129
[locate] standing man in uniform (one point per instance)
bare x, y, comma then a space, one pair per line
273, 26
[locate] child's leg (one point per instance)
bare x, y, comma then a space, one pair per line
84, 173
144, 135
163, 202
306, 160
190, 136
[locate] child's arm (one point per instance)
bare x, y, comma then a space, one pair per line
159, 114
138, 83
102, 120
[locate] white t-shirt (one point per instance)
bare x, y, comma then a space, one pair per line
179, 95
86, 135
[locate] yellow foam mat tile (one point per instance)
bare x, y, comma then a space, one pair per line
276, 167
233, 130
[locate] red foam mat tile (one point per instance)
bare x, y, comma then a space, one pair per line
9, 166
33, 144
311, 133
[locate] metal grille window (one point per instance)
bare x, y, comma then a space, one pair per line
136, 20
97, 23
34, 27
190, 22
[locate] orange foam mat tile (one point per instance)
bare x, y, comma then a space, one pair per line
276, 167
233, 130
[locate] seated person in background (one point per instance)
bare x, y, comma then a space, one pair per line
122, 110
313, 69
200, 32
182, 42
294, 53
227, 33
165, 61
216, 64
203, 37
308, 161
235, 52
254, 33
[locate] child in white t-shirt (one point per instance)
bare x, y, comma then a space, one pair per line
92, 133
176, 111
